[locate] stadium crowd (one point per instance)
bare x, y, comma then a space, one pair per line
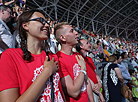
80, 65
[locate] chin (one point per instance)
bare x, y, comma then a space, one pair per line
44, 38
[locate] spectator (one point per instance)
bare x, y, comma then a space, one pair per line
126, 62
134, 85
72, 66
53, 42
137, 55
111, 80
26, 70
83, 47
124, 71
106, 52
6, 38
113, 48
100, 49
131, 60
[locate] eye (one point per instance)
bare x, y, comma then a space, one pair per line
71, 30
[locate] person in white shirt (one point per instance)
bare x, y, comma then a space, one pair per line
6, 38
53, 42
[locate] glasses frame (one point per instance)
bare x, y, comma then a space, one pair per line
41, 20
9, 12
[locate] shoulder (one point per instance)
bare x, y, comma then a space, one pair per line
12, 50
2, 27
114, 64
76, 53
51, 55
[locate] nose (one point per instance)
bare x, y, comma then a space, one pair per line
46, 25
76, 33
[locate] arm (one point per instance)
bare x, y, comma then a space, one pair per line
73, 87
89, 90
34, 91
10, 2
95, 89
119, 74
99, 82
126, 75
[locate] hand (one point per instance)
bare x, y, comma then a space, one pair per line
81, 62
101, 98
95, 88
51, 65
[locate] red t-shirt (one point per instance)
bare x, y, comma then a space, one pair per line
15, 72
69, 66
90, 69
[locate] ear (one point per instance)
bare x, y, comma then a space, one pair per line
25, 26
62, 38
81, 46
2, 10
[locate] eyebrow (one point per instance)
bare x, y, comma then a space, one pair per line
71, 30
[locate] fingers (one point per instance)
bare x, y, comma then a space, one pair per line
53, 59
46, 58
79, 57
56, 63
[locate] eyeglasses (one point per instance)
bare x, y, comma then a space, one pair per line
41, 20
9, 12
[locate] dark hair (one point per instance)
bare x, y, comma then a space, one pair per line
24, 17
5, 7
97, 42
123, 55
117, 55
104, 45
78, 48
131, 71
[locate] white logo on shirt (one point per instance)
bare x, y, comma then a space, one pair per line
45, 97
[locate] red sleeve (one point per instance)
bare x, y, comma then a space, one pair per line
8, 75
62, 70
51, 55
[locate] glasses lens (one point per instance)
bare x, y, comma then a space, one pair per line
9, 12
41, 20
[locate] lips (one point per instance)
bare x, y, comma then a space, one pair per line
77, 38
45, 30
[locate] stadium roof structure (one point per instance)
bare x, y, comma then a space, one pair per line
110, 17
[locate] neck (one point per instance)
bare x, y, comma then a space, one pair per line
34, 48
66, 49
83, 53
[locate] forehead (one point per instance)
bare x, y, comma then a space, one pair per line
8, 9
83, 41
67, 27
37, 14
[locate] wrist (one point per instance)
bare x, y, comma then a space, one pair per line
48, 71
100, 81
83, 71
83, 68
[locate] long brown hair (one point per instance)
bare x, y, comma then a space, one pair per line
24, 17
